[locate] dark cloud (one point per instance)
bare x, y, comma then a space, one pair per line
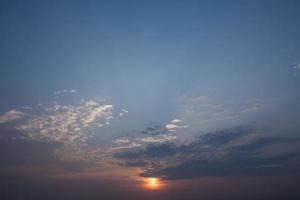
234, 166
235, 152
160, 150
151, 151
135, 163
262, 142
223, 136
16, 150
155, 130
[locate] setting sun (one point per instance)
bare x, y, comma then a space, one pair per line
152, 183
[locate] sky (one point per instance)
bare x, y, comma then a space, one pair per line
135, 99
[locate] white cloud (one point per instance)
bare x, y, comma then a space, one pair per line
67, 124
73, 91
10, 116
176, 121
95, 111
171, 126
124, 143
121, 141
124, 110
140, 142
62, 92
70, 125
158, 138
128, 145
175, 124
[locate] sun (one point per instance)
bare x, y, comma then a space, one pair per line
152, 183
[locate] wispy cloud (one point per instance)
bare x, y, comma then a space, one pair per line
11, 116
205, 113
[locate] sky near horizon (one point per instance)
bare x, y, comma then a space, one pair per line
140, 99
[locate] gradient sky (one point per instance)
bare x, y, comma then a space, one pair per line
98, 97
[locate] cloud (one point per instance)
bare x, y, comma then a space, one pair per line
175, 124
151, 151
205, 113
69, 125
11, 116
158, 138
176, 121
123, 112
296, 67
224, 136
128, 145
121, 141
154, 130
154, 135
124, 143
235, 152
63, 92
24, 152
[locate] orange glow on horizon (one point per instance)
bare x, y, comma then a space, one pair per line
152, 183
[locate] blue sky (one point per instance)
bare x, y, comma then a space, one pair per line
149, 88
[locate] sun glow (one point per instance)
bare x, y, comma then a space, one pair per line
152, 183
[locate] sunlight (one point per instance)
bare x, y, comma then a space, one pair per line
152, 183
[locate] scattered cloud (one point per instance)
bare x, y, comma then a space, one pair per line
63, 92
175, 124
121, 141
124, 143
154, 135
123, 112
157, 150
128, 145
68, 124
11, 116
71, 126
158, 138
